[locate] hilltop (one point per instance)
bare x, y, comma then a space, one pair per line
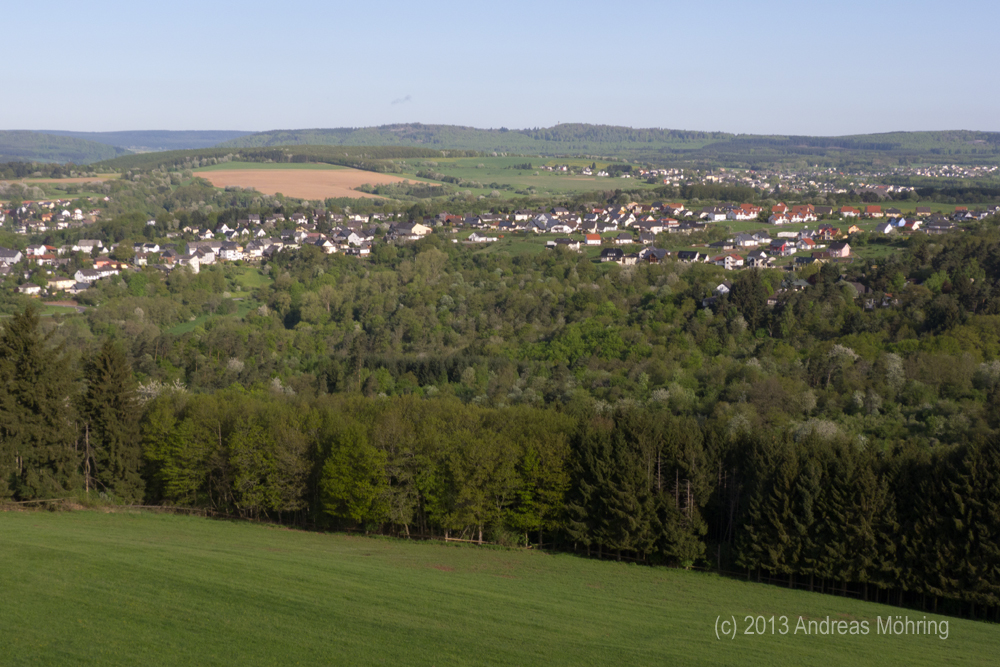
648, 143
145, 141
25, 146
657, 145
87, 147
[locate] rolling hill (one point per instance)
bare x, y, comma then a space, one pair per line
143, 141
648, 143
136, 588
703, 149
27, 146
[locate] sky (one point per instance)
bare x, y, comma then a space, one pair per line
773, 67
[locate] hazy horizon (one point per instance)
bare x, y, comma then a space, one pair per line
513, 129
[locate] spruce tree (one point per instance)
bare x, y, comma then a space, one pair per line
111, 425
37, 446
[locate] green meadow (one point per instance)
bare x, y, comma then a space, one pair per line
131, 588
503, 171
269, 166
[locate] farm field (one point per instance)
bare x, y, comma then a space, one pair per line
490, 171
304, 183
90, 587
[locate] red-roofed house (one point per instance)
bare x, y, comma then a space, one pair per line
730, 261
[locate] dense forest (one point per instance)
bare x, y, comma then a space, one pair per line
22, 145
841, 437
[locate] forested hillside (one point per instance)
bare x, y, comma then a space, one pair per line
21, 145
661, 145
155, 140
673, 146
844, 439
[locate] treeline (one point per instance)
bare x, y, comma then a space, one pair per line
616, 134
907, 526
632, 481
369, 158
18, 145
16, 169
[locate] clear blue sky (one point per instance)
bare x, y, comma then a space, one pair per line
777, 67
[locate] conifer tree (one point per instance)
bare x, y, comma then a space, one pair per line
591, 473
38, 458
111, 424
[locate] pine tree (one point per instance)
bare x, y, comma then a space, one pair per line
38, 458
592, 470
111, 425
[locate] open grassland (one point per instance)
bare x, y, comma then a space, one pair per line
480, 175
268, 166
308, 183
138, 588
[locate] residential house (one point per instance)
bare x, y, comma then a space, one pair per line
941, 227
827, 232
61, 283
652, 255
691, 256
476, 237
569, 244
87, 245
758, 259
728, 261
839, 249
192, 262
782, 247
326, 245
612, 255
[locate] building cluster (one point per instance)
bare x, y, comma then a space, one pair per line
39, 217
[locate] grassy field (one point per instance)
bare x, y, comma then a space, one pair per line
188, 327
229, 166
49, 310
138, 588
501, 171
249, 277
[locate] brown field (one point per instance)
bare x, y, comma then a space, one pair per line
301, 183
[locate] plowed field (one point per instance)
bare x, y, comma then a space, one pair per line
301, 183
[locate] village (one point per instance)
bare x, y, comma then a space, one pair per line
626, 235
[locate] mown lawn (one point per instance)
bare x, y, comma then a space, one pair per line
90, 587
